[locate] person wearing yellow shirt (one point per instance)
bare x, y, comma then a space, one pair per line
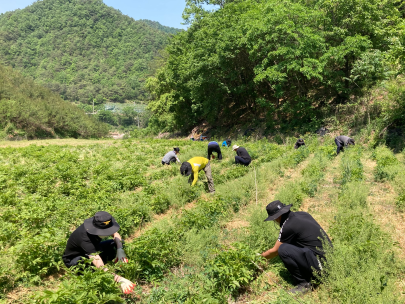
195, 165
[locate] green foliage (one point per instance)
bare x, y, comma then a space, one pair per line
82, 50
31, 111
232, 268
284, 63
352, 168
387, 164
152, 255
91, 286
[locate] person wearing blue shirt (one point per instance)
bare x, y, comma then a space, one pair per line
226, 143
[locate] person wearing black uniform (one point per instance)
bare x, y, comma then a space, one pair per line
300, 142
342, 142
213, 146
86, 241
299, 244
242, 156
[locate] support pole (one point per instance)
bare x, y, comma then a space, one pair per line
256, 185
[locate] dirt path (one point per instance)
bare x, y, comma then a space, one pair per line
321, 205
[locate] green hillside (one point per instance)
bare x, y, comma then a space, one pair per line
28, 110
82, 50
157, 25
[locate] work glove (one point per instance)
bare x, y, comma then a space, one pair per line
121, 256
126, 286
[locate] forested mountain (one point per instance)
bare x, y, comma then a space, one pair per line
31, 111
157, 25
82, 49
284, 63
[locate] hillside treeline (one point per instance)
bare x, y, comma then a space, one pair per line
82, 49
30, 111
284, 63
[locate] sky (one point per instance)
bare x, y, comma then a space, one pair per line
163, 11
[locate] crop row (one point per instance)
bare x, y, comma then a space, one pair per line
361, 266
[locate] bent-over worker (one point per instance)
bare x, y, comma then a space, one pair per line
242, 156
213, 146
342, 142
195, 165
86, 241
299, 244
171, 157
227, 143
300, 142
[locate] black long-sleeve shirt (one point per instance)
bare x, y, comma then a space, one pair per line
241, 152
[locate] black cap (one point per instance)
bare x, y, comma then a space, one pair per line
186, 169
102, 223
276, 209
177, 149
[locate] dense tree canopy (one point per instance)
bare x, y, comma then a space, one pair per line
279, 61
82, 49
31, 111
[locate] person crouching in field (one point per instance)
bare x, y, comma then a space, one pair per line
242, 156
300, 142
227, 143
171, 157
299, 244
213, 146
195, 165
86, 241
342, 142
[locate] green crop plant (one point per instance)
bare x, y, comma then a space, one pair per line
232, 268
89, 287
351, 166
388, 165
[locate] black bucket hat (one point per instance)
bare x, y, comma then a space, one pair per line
276, 209
102, 223
177, 149
186, 169
300, 140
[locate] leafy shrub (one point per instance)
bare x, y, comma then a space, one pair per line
387, 164
232, 268
352, 168
152, 255
91, 286
30, 253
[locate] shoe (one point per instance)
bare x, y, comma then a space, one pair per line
302, 288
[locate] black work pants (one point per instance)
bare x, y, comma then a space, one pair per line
240, 160
172, 160
108, 252
299, 262
340, 146
214, 148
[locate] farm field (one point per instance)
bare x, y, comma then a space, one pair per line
187, 246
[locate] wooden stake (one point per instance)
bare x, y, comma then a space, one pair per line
256, 185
